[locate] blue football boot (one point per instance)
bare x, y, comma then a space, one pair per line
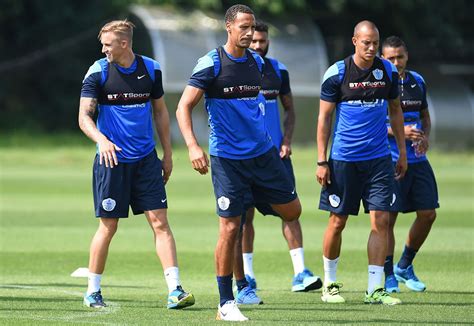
248, 296
94, 300
408, 277
306, 281
391, 284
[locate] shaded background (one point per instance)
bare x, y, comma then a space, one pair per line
47, 46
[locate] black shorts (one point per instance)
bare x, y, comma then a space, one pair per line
264, 177
370, 180
138, 185
417, 190
266, 208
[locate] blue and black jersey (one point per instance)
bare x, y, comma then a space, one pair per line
124, 105
276, 81
361, 98
412, 100
234, 103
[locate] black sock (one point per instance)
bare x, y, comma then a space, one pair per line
241, 284
388, 266
407, 257
224, 283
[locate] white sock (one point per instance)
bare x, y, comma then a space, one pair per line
248, 264
172, 278
93, 282
330, 269
297, 257
375, 278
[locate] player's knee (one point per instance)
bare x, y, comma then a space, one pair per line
160, 226
230, 229
337, 224
292, 213
108, 230
428, 216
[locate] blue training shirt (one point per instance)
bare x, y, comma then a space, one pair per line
124, 105
276, 82
361, 98
412, 100
234, 103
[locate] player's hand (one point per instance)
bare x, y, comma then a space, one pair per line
285, 150
107, 154
167, 166
199, 159
413, 134
423, 145
323, 175
401, 166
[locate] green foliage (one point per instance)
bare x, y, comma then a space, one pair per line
46, 224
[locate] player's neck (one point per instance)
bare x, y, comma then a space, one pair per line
361, 63
126, 60
235, 51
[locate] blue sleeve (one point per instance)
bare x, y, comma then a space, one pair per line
259, 60
154, 71
205, 71
421, 82
393, 76
285, 79
332, 80
92, 81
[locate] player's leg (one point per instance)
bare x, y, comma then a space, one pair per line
341, 198
111, 201
165, 247
230, 184
391, 283
248, 235
332, 242
99, 250
378, 198
423, 194
290, 211
419, 231
148, 196
303, 280
245, 293
224, 259
377, 251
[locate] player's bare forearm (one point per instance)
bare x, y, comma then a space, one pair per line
188, 101
425, 122
162, 124
396, 124
87, 107
323, 132
289, 117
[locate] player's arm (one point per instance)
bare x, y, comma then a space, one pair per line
87, 107
162, 124
326, 110
426, 126
288, 124
188, 101
396, 122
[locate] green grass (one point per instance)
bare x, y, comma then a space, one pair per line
46, 224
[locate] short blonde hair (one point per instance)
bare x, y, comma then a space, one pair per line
122, 28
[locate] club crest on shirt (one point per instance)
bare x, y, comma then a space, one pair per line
378, 74
223, 203
108, 204
334, 200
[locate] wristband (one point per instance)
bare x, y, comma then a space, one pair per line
322, 163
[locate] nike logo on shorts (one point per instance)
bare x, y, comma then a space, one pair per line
140, 77
164, 200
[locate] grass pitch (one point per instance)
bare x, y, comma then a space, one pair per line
46, 224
